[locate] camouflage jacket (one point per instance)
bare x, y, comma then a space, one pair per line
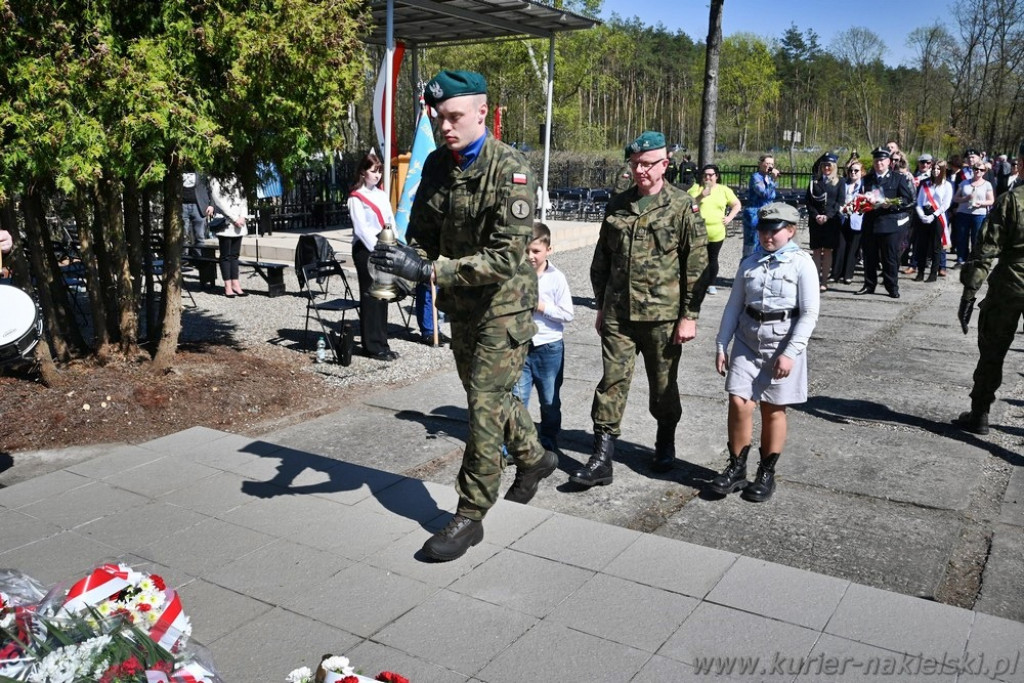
475, 225
1002, 238
652, 265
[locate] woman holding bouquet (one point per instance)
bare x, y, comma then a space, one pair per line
825, 198
849, 229
933, 200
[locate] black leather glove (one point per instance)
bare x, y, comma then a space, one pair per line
965, 312
403, 261
927, 209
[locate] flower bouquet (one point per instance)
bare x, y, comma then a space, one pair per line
862, 203
115, 625
337, 669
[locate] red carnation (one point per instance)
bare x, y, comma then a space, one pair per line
350, 679
158, 581
391, 677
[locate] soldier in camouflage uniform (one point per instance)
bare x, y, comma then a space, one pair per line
649, 274
1001, 241
469, 227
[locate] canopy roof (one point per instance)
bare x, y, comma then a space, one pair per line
435, 22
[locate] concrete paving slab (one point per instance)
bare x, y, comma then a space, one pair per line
204, 547
1011, 511
57, 557
900, 622
871, 541
576, 541
135, 531
414, 436
792, 595
115, 461
353, 599
160, 476
558, 653
455, 620
85, 504
212, 496
525, 583
21, 529
277, 571
188, 439
672, 565
416, 500
1004, 574
41, 488
750, 642
624, 612
268, 647
839, 659
403, 557
216, 611
995, 646
883, 463
230, 451
659, 669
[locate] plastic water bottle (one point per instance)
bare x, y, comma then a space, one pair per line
321, 350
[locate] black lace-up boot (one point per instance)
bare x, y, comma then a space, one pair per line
598, 469
734, 476
454, 540
763, 486
524, 488
664, 448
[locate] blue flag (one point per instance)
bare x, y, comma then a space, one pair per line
422, 146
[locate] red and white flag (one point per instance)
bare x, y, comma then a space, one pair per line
385, 111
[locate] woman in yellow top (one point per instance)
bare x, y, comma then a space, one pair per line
718, 207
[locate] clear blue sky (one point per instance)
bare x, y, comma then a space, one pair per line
892, 21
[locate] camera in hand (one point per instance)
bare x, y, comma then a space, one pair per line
927, 210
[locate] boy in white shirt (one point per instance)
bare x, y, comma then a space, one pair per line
543, 367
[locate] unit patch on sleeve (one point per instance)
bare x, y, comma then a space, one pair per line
520, 208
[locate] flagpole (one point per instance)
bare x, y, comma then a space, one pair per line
547, 128
388, 95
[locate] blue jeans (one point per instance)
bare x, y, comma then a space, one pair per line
968, 229
543, 369
749, 231
424, 310
195, 225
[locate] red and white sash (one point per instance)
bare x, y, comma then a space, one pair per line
939, 216
373, 207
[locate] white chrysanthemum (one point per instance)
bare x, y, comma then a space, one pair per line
300, 675
338, 664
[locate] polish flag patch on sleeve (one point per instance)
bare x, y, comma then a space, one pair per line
519, 178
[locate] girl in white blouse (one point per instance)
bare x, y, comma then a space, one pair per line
370, 211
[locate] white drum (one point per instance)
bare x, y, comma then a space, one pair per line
21, 327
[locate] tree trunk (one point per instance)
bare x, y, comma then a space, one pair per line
109, 196
92, 275
170, 314
709, 108
42, 284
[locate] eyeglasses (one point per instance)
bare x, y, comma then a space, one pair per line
644, 165
710, 174
853, 170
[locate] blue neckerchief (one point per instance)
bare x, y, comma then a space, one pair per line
467, 156
782, 254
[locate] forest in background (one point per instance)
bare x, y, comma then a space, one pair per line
965, 87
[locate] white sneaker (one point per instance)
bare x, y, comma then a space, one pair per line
712, 290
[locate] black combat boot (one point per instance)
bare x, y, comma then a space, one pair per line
973, 421
524, 488
664, 448
454, 540
763, 486
598, 469
734, 476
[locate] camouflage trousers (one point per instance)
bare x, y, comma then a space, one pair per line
621, 342
998, 322
489, 356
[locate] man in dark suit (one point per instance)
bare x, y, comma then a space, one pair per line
885, 224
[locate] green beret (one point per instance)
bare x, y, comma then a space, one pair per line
449, 84
647, 141
777, 215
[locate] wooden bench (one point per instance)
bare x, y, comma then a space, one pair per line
206, 263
